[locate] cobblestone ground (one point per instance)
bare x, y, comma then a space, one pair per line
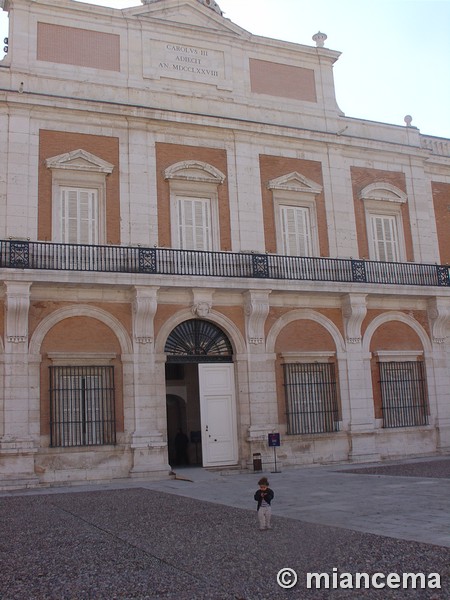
437, 469
138, 544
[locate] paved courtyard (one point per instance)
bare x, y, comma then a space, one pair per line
196, 537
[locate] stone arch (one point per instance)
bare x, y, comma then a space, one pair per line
80, 310
331, 349
395, 316
393, 354
305, 314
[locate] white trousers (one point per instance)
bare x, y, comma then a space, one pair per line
264, 516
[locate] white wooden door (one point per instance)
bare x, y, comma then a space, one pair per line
218, 414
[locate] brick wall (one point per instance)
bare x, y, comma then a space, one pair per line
441, 199
286, 81
362, 177
170, 154
80, 47
53, 143
272, 167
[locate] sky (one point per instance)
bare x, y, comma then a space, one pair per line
395, 53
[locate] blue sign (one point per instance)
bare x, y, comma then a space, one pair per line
274, 440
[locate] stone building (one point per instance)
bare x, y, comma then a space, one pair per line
195, 237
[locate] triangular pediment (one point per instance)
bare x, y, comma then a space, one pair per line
295, 182
79, 160
186, 12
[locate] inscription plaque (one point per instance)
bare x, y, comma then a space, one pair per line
189, 62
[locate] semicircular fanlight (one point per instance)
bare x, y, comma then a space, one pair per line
198, 341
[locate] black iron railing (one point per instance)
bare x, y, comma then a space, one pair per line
18, 254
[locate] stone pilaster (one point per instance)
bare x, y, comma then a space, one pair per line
17, 446
246, 208
148, 439
261, 372
359, 412
423, 218
339, 203
439, 319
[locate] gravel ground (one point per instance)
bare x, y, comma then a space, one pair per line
433, 468
138, 544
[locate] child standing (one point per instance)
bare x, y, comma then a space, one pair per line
264, 497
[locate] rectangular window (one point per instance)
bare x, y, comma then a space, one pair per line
311, 398
385, 238
194, 223
296, 231
79, 216
82, 406
403, 394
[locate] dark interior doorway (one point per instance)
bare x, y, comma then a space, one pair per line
183, 413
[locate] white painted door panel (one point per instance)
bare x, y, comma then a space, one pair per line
218, 414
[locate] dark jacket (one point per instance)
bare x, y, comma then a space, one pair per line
268, 497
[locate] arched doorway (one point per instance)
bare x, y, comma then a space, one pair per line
200, 370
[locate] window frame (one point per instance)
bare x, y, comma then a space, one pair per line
194, 180
383, 200
296, 191
329, 416
79, 170
311, 237
64, 218
208, 193
65, 433
411, 411
377, 241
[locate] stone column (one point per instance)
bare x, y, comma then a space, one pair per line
17, 446
361, 413
148, 442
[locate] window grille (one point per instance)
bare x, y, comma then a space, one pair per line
82, 406
403, 394
311, 398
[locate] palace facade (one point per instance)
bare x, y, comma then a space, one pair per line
194, 237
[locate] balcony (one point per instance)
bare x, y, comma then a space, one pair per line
18, 254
